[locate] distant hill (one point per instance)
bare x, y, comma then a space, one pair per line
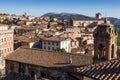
67, 15
2, 14
113, 20
116, 23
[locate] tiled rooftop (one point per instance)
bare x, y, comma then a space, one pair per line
54, 38
92, 19
48, 58
3, 25
27, 38
109, 70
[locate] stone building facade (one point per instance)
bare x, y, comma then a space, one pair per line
87, 22
6, 43
54, 43
45, 65
105, 41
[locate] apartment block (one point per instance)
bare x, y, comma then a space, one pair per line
6, 42
56, 42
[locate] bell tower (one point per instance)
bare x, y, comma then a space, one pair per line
105, 42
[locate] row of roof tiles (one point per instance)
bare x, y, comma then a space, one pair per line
109, 70
48, 58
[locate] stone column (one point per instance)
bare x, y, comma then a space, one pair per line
95, 50
35, 77
38, 73
115, 51
16, 67
8, 67
26, 70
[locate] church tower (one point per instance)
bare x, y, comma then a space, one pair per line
105, 42
98, 16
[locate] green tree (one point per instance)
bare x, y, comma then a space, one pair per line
118, 40
61, 50
51, 18
85, 43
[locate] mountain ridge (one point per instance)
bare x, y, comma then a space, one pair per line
65, 15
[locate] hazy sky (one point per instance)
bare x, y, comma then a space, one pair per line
39, 7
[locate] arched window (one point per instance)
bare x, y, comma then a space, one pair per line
101, 51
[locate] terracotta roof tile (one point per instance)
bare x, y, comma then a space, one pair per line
92, 19
3, 25
54, 38
109, 70
48, 58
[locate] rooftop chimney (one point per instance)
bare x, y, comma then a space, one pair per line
98, 15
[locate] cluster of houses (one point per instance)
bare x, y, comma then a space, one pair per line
51, 49
71, 35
